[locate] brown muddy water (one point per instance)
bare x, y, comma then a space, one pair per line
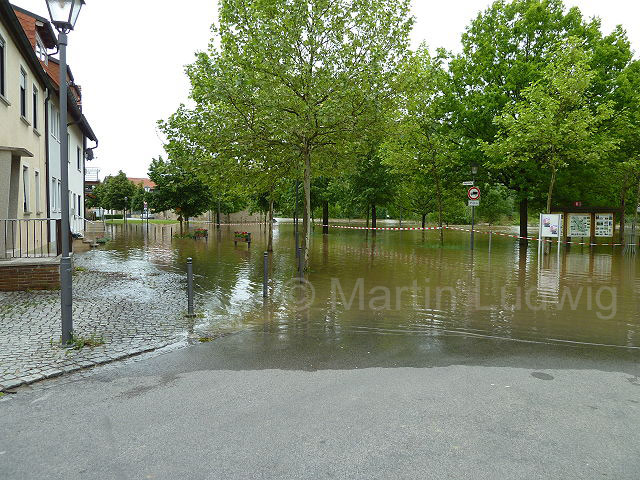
401, 286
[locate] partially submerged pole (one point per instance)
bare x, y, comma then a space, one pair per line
265, 277
190, 287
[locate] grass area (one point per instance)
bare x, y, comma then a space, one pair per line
138, 220
78, 342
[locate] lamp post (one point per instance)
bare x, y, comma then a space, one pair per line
64, 14
474, 172
124, 213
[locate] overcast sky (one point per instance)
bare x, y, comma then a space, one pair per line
130, 64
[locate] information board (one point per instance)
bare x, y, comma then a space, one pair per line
604, 224
579, 225
550, 225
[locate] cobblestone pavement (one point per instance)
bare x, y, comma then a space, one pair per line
131, 311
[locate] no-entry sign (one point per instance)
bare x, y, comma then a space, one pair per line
474, 193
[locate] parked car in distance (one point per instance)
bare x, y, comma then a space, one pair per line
150, 216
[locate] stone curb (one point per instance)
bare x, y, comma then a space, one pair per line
85, 365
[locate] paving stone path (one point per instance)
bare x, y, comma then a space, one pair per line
131, 310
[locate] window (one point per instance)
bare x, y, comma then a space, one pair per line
23, 93
54, 197
25, 189
80, 206
79, 158
68, 148
3, 47
55, 123
35, 107
59, 194
73, 205
36, 178
41, 52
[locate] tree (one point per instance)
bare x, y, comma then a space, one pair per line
496, 203
505, 50
139, 197
554, 126
178, 189
301, 75
423, 146
116, 191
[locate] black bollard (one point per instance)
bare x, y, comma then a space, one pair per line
190, 288
265, 278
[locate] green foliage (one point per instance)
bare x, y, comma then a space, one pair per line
496, 203
115, 192
139, 197
326, 94
178, 189
554, 126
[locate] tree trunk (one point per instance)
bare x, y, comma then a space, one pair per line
306, 217
401, 217
374, 219
180, 220
524, 220
623, 207
552, 184
218, 215
367, 218
440, 207
635, 218
325, 217
424, 219
270, 243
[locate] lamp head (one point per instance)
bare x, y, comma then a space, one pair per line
64, 13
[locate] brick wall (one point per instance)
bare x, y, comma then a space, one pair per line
29, 277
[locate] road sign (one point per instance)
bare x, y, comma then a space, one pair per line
638, 208
145, 205
468, 184
474, 203
474, 193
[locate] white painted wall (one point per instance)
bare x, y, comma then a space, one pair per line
16, 132
76, 175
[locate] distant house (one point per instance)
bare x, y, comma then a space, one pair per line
145, 182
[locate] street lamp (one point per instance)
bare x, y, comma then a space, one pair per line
474, 172
64, 14
124, 214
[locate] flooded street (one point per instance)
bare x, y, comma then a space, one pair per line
399, 289
473, 369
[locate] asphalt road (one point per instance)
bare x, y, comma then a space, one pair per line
249, 406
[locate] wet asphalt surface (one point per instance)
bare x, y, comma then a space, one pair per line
256, 405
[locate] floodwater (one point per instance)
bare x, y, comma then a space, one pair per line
400, 290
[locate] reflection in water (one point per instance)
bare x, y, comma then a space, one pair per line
400, 285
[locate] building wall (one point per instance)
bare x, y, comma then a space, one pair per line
76, 175
17, 275
19, 133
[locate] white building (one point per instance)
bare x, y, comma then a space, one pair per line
24, 91
42, 37
78, 133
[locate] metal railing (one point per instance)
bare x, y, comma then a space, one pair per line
30, 238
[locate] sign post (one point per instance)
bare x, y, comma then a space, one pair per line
474, 201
